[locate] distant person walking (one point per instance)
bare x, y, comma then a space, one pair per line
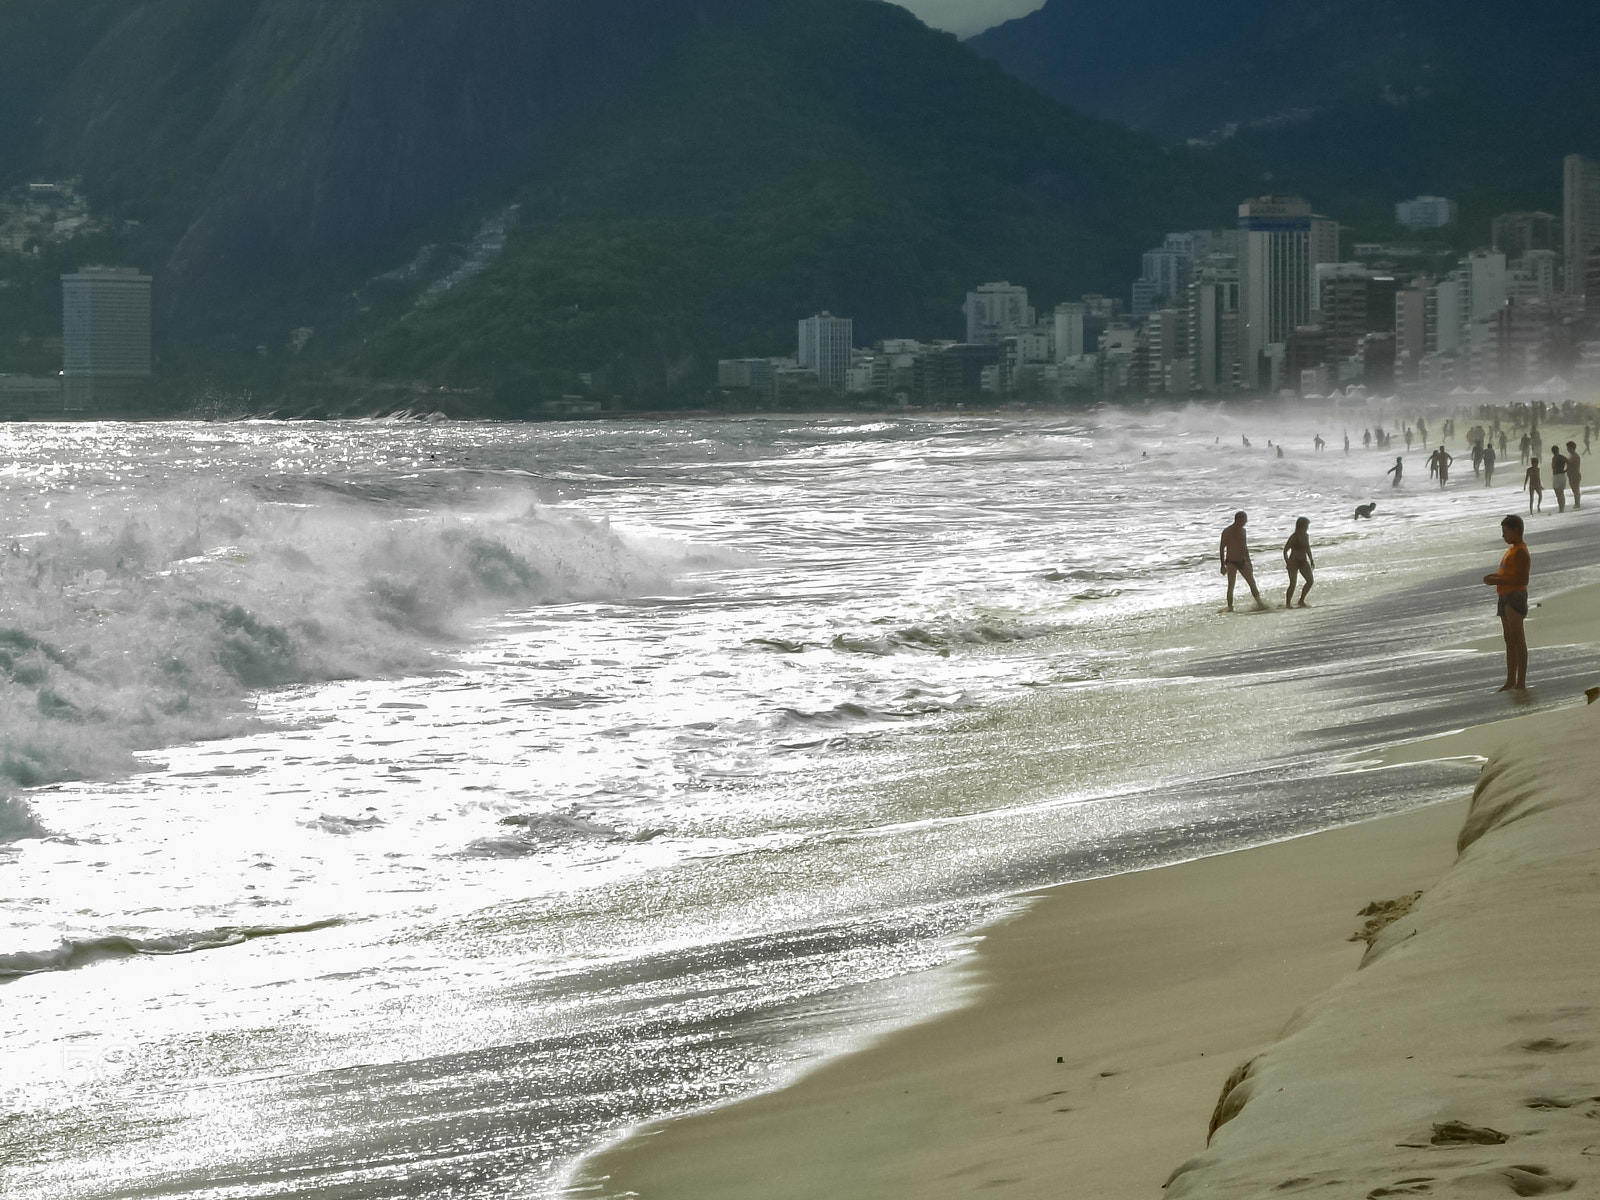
1408, 437
1234, 551
1558, 477
1535, 488
1297, 558
1488, 464
1318, 443
1366, 439
1574, 476
1445, 459
1510, 584
1502, 443
1524, 444
1397, 470
1347, 443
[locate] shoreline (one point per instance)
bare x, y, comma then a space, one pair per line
1105, 1020
1150, 987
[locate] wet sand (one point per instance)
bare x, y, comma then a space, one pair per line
1456, 1057
1148, 988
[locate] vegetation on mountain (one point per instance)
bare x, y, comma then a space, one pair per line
680, 181
1355, 103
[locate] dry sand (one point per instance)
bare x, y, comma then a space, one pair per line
1462, 1059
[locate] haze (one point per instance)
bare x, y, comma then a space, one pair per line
967, 17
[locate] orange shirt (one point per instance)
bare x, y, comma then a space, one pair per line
1514, 568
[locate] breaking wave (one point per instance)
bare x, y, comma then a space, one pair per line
156, 629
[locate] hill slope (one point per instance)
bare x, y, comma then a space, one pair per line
680, 179
1360, 101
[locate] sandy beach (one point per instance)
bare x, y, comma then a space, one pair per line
1451, 1058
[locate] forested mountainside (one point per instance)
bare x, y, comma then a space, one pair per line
507, 194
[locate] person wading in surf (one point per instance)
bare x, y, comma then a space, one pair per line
1297, 557
1235, 554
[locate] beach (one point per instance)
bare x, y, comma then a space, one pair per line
1105, 1023
414, 809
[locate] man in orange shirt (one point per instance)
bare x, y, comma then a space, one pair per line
1511, 587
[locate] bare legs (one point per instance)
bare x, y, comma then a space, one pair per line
1516, 650
1304, 572
1236, 569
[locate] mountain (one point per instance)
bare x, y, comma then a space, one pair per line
503, 194
1359, 103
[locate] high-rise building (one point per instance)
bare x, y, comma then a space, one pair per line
1425, 212
1580, 217
1069, 331
997, 311
1214, 330
1282, 240
105, 335
825, 345
1516, 233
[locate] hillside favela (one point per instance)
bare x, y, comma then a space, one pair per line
799, 599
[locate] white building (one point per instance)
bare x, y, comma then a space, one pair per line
105, 334
1425, 212
997, 311
1282, 240
1069, 331
1580, 213
825, 345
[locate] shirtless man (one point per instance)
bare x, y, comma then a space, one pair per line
1574, 476
1297, 557
1445, 459
1510, 583
1235, 555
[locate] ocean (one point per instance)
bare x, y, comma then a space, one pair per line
406, 808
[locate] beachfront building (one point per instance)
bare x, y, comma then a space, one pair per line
997, 311
825, 345
1282, 240
1070, 319
1580, 217
1213, 312
105, 337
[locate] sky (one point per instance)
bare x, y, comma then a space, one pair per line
967, 17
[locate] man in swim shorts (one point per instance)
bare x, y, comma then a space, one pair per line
1235, 554
1510, 583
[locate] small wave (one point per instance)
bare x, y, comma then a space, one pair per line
74, 953
939, 639
332, 823
18, 821
912, 703
782, 645
542, 831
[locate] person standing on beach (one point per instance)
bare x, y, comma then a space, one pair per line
1558, 477
1235, 554
1524, 444
1535, 488
1574, 477
1297, 558
1510, 584
1347, 443
1397, 470
1488, 463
